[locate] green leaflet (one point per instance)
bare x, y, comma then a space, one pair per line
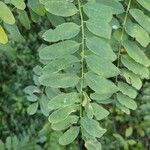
51, 92
8, 143
115, 6
145, 4
14, 33
31, 89
34, 16
129, 132
69, 136
62, 32
86, 135
61, 8
99, 112
20, 4
55, 20
126, 101
137, 32
99, 27
132, 78
62, 113
2, 146
100, 47
98, 65
89, 111
59, 64
56, 80
119, 138
43, 101
3, 36
32, 98
123, 108
37, 70
93, 9
24, 19
32, 108
66, 123
135, 67
92, 127
37, 7
142, 19
136, 53
127, 90
99, 84
59, 50
63, 100
93, 145
6, 15
102, 98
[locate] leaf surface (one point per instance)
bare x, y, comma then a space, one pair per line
62, 113
61, 8
59, 80
3, 36
142, 19
99, 112
145, 4
69, 136
100, 47
136, 53
135, 67
99, 84
63, 100
92, 127
126, 101
5, 14
99, 64
59, 50
62, 32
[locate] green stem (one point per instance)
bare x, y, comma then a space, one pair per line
121, 37
82, 53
